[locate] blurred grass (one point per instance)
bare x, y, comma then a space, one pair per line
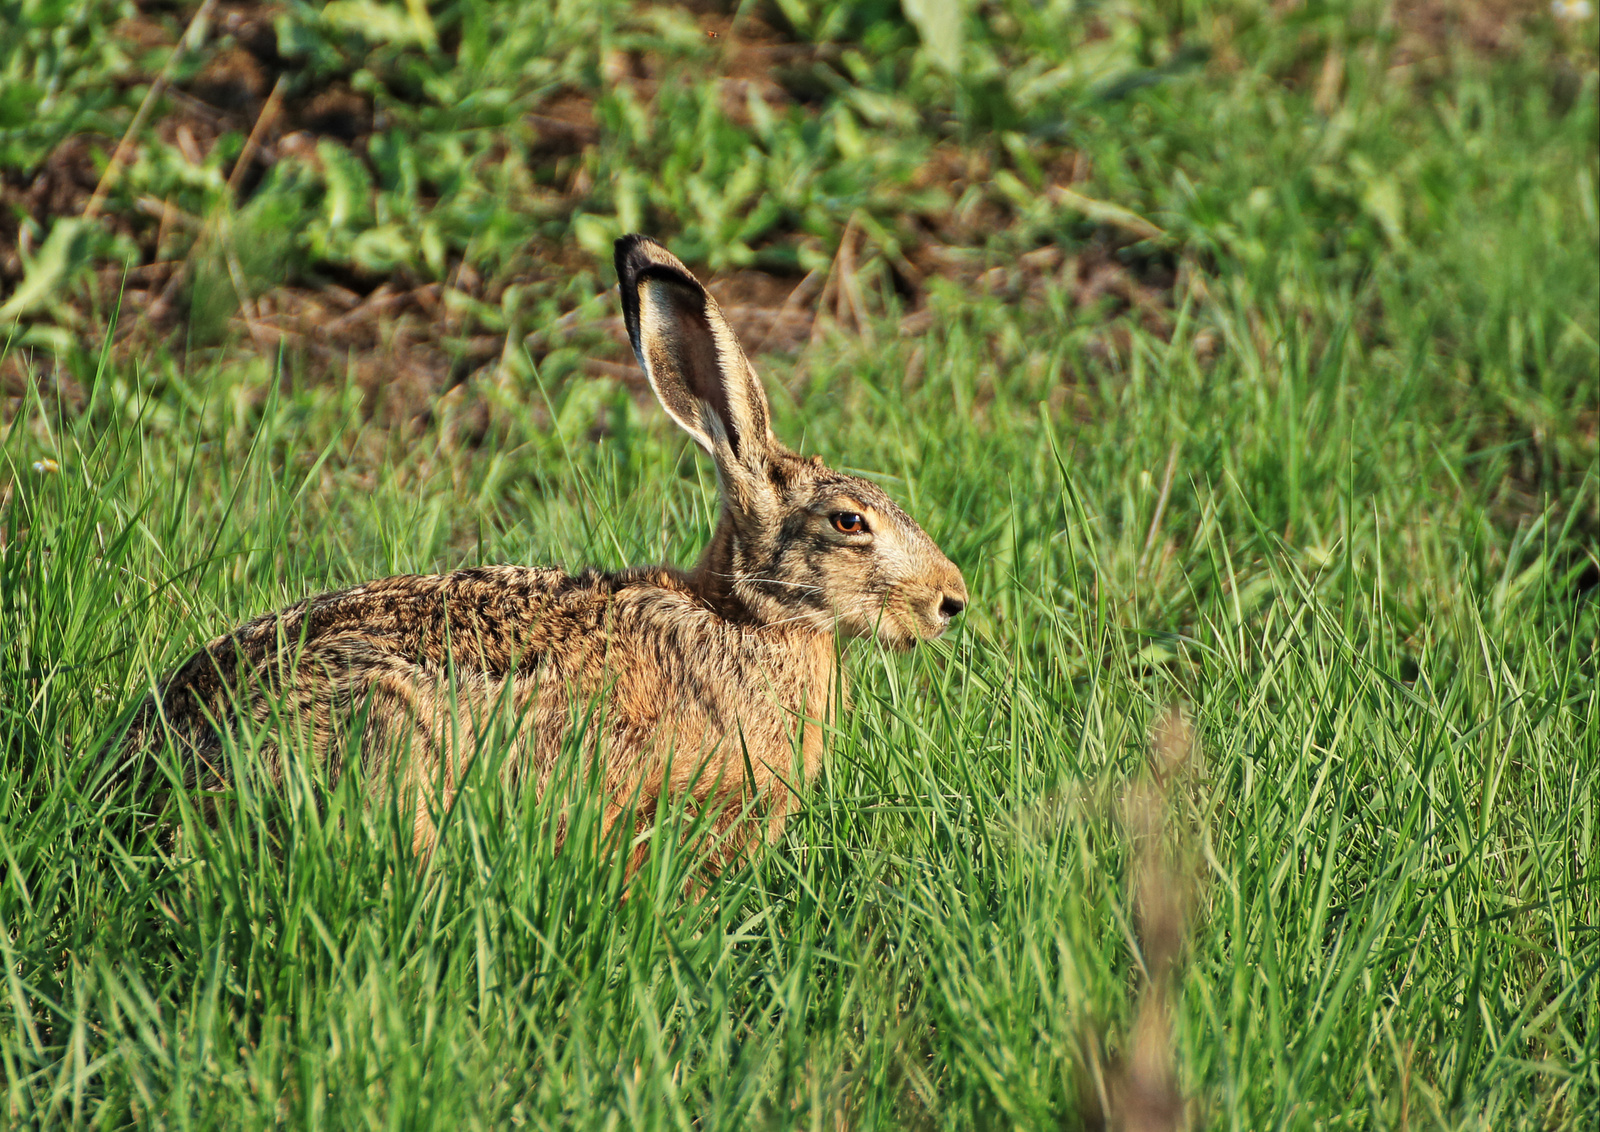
1323, 152
1335, 486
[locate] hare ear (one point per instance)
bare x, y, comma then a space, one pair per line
689, 353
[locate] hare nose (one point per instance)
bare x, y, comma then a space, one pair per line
951, 606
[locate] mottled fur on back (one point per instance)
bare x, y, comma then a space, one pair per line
712, 683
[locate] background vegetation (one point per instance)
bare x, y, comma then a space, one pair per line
1243, 354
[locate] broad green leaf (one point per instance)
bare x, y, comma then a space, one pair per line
383, 23
382, 249
939, 23
64, 253
349, 201
595, 233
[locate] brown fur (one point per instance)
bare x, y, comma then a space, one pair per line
712, 683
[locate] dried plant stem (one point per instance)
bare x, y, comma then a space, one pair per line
791, 305
269, 112
1161, 503
850, 290
193, 36
831, 283
1146, 1096
1104, 212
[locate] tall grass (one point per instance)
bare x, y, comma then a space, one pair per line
1394, 694
1342, 506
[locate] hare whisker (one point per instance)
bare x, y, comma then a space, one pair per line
739, 577
774, 582
808, 616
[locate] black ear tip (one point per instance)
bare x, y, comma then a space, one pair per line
634, 254
625, 245
640, 257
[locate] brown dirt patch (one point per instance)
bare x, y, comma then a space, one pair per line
1429, 27
408, 340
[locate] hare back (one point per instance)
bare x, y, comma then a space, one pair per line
426, 669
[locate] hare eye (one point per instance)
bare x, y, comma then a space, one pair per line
848, 523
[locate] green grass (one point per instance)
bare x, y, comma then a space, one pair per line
1372, 576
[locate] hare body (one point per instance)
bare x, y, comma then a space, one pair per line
713, 683
430, 667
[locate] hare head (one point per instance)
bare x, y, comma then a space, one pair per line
797, 543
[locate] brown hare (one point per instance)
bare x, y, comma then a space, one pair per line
714, 681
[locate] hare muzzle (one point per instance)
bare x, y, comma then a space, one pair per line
945, 603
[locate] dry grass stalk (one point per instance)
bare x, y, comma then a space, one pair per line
268, 115
1141, 1092
193, 36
